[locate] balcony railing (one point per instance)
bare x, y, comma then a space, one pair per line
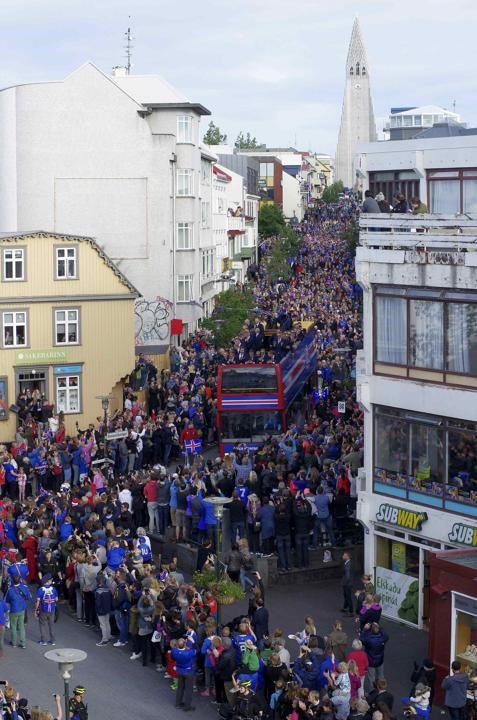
418, 232
235, 223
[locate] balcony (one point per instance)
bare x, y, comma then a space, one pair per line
432, 237
235, 224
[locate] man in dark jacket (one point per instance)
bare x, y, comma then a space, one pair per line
103, 600
455, 686
374, 640
347, 584
224, 668
381, 694
260, 620
302, 520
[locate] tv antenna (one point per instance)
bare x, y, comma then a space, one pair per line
129, 47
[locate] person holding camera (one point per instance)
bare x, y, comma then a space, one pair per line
455, 686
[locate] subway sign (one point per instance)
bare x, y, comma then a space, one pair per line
406, 519
463, 534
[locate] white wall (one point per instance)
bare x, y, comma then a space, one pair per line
292, 204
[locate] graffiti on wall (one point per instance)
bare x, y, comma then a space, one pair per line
152, 318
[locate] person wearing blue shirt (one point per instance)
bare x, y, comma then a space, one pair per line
19, 568
17, 600
184, 658
46, 599
3, 621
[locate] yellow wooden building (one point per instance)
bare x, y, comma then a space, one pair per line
67, 326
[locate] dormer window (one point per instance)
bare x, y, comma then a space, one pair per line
357, 68
363, 71
351, 70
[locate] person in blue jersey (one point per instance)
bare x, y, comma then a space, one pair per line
143, 544
184, 658
239, 640
46, 600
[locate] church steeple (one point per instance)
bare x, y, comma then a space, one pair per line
357, 117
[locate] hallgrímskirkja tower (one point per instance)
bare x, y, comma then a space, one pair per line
357, 116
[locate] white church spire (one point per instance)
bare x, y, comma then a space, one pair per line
357, 117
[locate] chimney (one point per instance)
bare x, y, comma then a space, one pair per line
119, 71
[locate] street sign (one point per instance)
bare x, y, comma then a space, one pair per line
117, 435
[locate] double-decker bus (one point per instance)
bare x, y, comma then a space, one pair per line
253, 399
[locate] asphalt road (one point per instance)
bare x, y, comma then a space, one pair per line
119, 688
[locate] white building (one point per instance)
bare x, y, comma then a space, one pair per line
118, 159
417, 385
406, 123
442, 171
357, 116
293, 201
235, 224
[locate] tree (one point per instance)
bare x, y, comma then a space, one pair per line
246, 142
270, 221
330, 194
214, 136
231, 310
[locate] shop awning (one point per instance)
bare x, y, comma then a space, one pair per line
245, 254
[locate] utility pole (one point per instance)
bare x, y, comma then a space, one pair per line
129, 48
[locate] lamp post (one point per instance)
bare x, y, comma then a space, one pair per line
218, 504
66, 659
105, 405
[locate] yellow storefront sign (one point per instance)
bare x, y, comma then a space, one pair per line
33, 357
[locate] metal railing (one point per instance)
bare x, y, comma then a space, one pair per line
426, 232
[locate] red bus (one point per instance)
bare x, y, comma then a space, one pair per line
253, 399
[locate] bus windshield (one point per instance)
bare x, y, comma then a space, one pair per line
250, 425
249, 379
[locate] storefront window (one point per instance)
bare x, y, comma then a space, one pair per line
427, 460
465, 634
391, 451
397, 579
461, 484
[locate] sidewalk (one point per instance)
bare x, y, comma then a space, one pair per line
288, 606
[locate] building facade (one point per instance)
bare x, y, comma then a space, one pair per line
357, 115
417, 385
67, 317
118, 159
407, 122
442, 171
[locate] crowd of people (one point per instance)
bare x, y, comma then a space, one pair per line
78, 512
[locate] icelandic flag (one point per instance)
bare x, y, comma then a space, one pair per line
193, 446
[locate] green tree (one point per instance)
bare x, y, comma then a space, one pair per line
270, 220
231, 310
330, 194
214, 136
351, 236
246, 142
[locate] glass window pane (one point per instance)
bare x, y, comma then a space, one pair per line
391, 330
391, 450
426, 335
462, 475
427, 459
462, 338
470, 195
60, 315
72, 314
445, 196
8, 317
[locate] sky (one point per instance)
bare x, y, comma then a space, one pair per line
275, 68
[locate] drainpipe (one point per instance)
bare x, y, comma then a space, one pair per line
174, 237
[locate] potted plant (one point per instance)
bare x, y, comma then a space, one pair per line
225, 590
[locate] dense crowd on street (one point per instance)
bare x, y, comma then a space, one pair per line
78, 513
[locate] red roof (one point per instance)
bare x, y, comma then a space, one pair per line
221, 174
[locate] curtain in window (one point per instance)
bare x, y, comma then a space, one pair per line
470, 196
445, 196
426, 334
391, 330
462, 338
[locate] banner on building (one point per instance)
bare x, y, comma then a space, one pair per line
399, 595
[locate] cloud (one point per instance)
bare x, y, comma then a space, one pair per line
274, 68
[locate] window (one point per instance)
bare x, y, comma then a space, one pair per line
351, 70
221, 206
185, 182
68, 393
247, 426
207, 262
66, 263
205, 213
15, 328
185, 236
205, 172
13, 264
426, 459
363, 71
391, 334
453, 191
184, 288
428, 329
184, 129
418, 120
407, 120
67, 327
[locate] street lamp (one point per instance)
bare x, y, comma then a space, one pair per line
66, 659
105, 405
218, 503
